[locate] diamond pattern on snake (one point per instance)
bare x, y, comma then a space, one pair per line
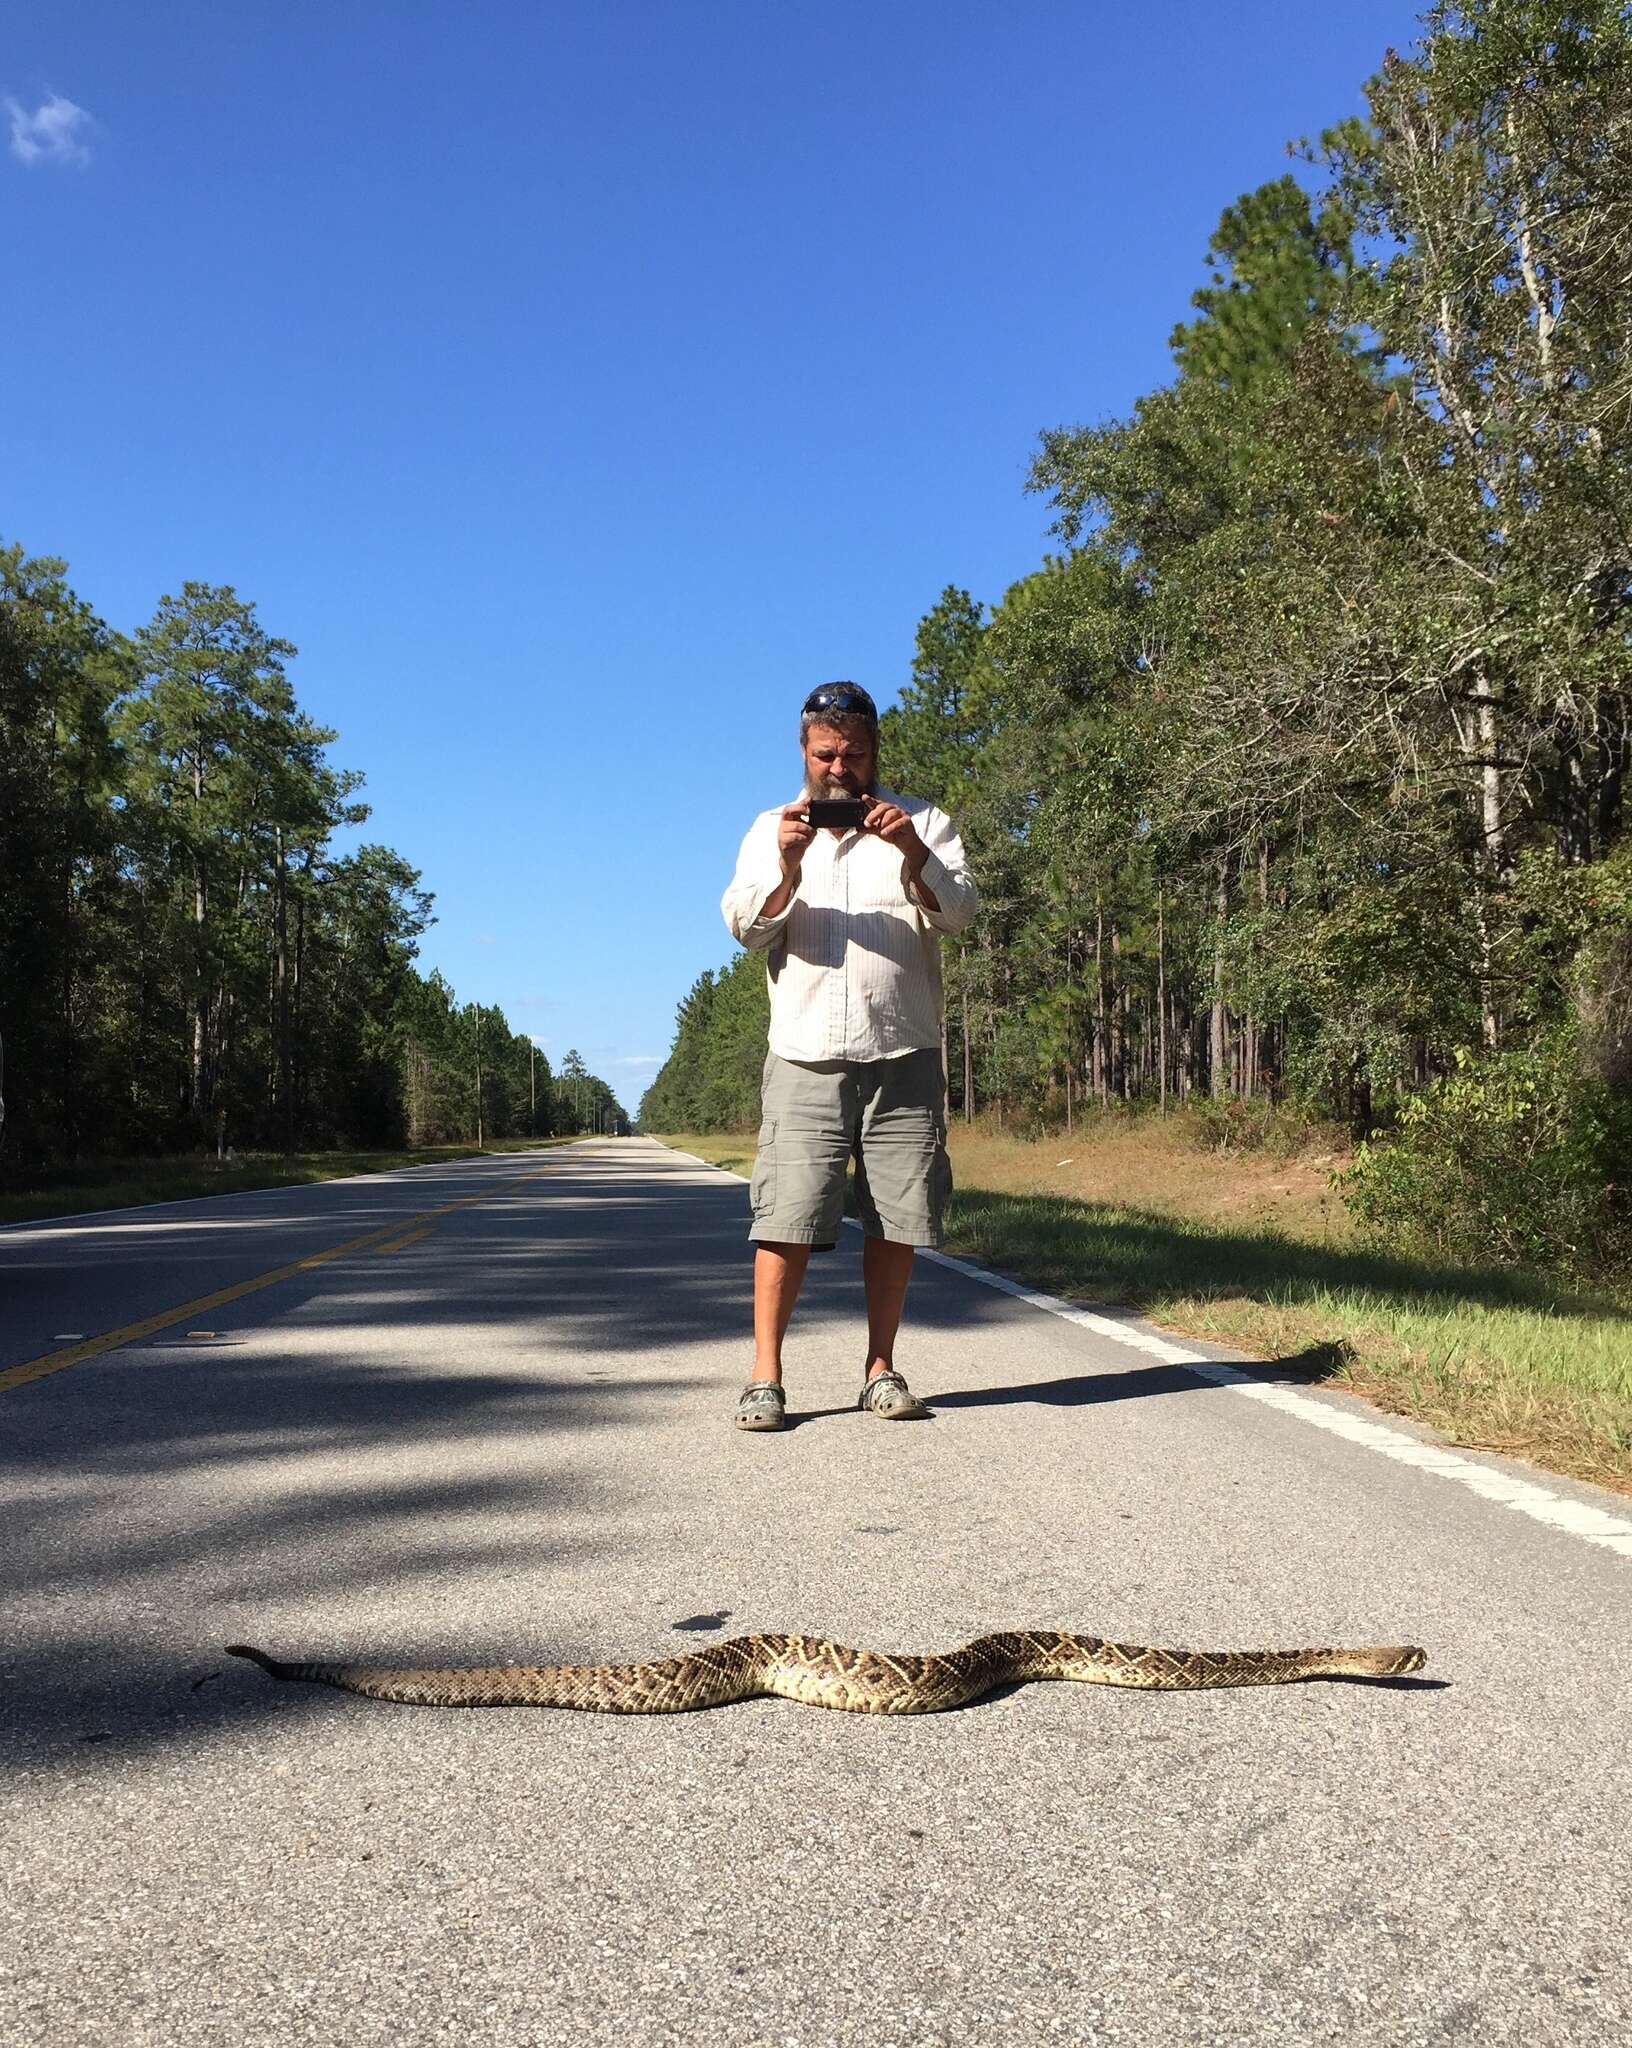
819, 1673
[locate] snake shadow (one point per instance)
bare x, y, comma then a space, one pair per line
1006, 1691
1406, 1682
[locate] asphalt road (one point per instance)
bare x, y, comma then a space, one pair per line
508, 1438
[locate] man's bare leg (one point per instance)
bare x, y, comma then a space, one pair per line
886, 1268
779, 1272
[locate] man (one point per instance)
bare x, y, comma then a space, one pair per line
850, 917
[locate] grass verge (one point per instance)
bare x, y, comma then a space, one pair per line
1256, 1252
120, 1184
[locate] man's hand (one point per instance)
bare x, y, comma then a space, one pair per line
793, 836
892, 825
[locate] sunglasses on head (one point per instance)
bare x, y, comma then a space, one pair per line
848, 699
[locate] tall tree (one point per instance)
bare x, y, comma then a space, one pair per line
210, 684
1281, 264
60, 777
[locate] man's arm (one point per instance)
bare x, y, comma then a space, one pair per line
934, 870
760, 899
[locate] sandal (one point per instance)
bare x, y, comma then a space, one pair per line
888, 1396
763, 1406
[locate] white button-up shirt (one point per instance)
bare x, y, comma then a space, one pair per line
855, 957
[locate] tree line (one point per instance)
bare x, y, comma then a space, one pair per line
1297, 774
187, 957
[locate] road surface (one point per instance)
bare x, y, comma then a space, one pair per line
483, 1415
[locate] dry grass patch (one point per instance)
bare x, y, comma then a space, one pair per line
734, 1150
1147, 1163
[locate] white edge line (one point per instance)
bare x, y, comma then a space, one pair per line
1552, 1510
288, 1187
1556, 1511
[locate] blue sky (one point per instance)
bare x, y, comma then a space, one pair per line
578, 385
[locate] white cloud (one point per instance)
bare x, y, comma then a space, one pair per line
640, 1059
57, 132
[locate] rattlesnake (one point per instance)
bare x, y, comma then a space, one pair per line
823, 1674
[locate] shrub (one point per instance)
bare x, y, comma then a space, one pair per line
1230, 1123
1516, 1157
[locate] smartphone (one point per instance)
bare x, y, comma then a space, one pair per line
846, 812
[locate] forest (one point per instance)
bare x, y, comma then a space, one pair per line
1294, 777
197, 951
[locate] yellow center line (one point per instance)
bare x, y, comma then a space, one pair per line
398, 1244
59, 1361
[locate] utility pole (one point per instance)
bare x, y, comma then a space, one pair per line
532, 1089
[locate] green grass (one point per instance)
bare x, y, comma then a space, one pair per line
1494, 1358
119, 1184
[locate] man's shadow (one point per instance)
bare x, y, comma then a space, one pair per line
1085, 1390
1306, 1368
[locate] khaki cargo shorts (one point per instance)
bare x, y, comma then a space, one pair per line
890, 1115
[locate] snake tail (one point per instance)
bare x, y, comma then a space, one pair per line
269, 1665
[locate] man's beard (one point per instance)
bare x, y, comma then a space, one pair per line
834, 785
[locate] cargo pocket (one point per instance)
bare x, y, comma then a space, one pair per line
762, 1183
940, 1183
